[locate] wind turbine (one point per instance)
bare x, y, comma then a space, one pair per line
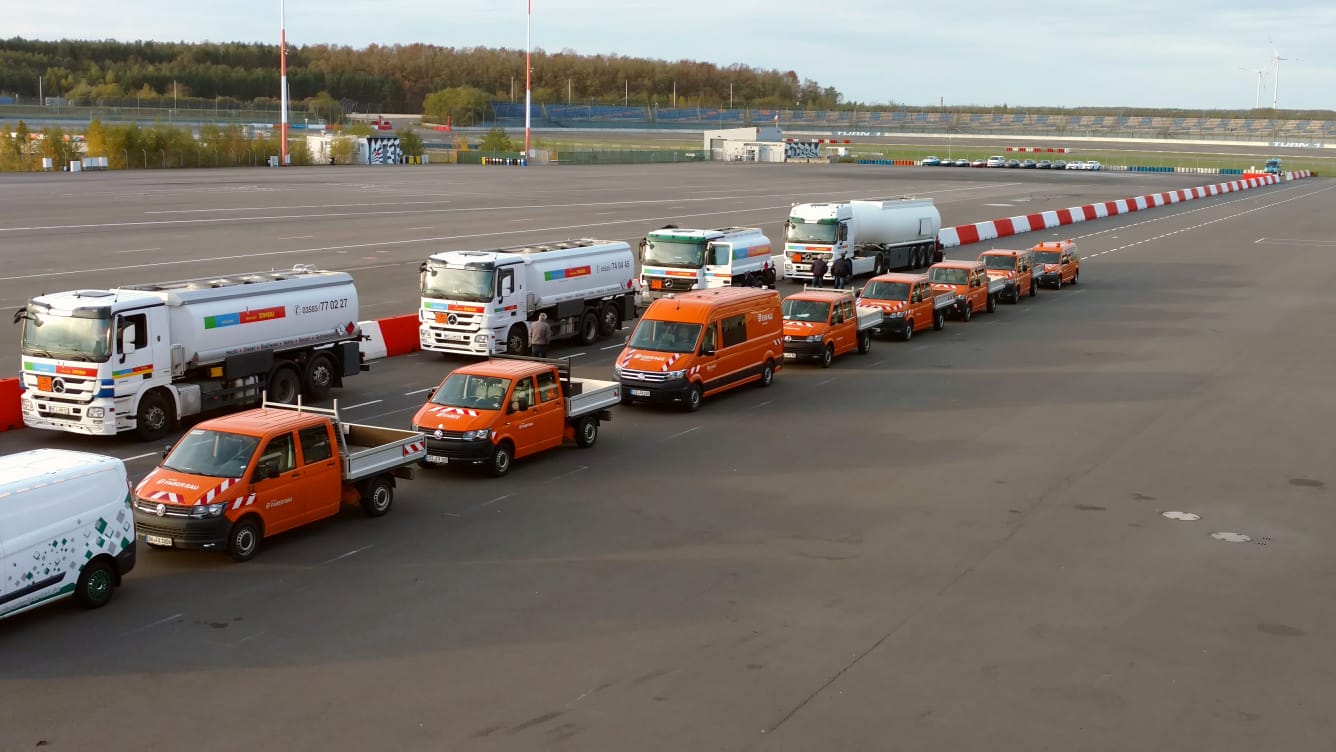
1275, 80
1261, 73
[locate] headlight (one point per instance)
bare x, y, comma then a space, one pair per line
96, 412
960, 298
896, 315
209, 510
481, 433
616, 370
676, 374
813, 338
480, 339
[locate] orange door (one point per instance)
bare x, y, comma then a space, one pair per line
321, 479
711, 366
839, 328
277, 499
522, 418
920, 306
551, 411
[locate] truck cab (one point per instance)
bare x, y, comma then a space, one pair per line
969, 282
1014, 269
507, 408
1272, 166
675, 259
1057, 263
907, 302
232, 481
822, 325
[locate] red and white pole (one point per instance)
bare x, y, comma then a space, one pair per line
283, 81
528, 82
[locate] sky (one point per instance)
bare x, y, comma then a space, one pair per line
1202, 54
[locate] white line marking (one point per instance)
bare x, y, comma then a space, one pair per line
683, 433
140, 250
159, 622
140, 456
419, 391
579, 469
410, 229
493, 501
827, 381
361, 404
577, 355
297, 206
350, 553
611, 347
296, 237
763, 404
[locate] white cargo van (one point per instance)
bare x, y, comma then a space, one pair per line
66, 528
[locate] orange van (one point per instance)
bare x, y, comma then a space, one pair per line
824, 324
1015, 268
970, 283
1057, 263
697, 344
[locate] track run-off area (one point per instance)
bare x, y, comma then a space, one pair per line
966, 541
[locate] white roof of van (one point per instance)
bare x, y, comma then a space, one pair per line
41, 467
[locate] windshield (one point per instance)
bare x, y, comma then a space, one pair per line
811, 233
665, 336
948, 276
49, 336
684, 254
1042, 257
1007, 263
215, 453
805, 310
468, 390
886, 290
458, 284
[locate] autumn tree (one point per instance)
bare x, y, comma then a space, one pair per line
456, 104
496, 140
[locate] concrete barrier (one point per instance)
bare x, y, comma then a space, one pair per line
11, 412
400, 334
372, 345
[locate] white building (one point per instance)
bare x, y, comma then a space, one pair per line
754, 144
366, 149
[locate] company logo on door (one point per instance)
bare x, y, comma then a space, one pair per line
244, 317
278, 503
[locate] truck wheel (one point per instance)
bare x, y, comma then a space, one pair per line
588, 327
827, 356
320, 370
611, 319
244, 540
284, 385
1058, 284
378, 498
1076, 277
695, 396
767, 373
864, 343
502, 458
967, 312
879, 267
991, 304
1034, 288
909, 331
938, 320
155, 417
586, 432
97, 581
517, 340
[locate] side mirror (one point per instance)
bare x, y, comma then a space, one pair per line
431, 392
707, 351
166, 450
128, 348
265, 471
514, 406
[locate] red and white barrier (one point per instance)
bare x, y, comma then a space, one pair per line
951, 237
388, 337
1045, 150
11, 412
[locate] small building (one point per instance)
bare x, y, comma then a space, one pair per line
367, 150
755, 144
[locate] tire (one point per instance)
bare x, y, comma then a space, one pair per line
1076, 277
96, 584
991, 305
908, 333
968, 312
610, 319
880, 266
827, 356
695, 396
156, 416
586, 432
938, 320
1034, 288
767, 374
864, 343
244, 540
379, 497
285, 385
320, 376
1058, 285
517, 340
588, 327
503, 456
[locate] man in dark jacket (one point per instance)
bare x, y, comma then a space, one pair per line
842, 270
819, 271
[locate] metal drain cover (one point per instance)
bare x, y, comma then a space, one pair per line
1231, 537
1184, 516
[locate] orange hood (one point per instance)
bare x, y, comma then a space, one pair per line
183, 489
652, 360
885, 306
804, 328
446, 418
944, 287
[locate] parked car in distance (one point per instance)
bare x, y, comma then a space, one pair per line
1013, 163
996, 161
1044, 164
979, 163
931, 162
1093, 165
962, 163
1077, 165
1059, 165
1028, 164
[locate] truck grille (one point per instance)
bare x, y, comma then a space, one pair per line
650, 376
70, 387
169, 510
670, 284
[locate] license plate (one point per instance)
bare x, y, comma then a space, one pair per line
639, 392
158, 540
656, 284
438, 460
790, 355
62, 410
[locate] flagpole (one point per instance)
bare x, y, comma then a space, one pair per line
283, 81
528, 82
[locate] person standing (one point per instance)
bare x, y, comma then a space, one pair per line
819, 271
540, 335
842, 270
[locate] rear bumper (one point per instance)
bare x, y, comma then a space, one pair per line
125, 560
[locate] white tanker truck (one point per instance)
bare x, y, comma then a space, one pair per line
877, 236
140, 357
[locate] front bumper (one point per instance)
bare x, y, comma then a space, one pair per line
457, 451
450, 341
666, 392
894, 327
803, 350
209, 534
1047, 278
43, 414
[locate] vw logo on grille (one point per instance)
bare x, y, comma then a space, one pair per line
452, 319
161, 509
439, 433
58, 385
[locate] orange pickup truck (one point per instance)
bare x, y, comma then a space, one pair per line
1015, 268
823, 324
969, 281
232, 481
907, 302
1060, 262
494, 412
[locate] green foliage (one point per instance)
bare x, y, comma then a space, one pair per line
410, 142
496, 140
458, 104
325, 107
359, 128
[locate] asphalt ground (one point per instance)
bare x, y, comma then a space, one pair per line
953, 543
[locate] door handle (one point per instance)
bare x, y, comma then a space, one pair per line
296, 475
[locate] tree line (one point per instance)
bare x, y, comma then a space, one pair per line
393, 78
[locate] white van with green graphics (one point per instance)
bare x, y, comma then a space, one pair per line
66, 528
